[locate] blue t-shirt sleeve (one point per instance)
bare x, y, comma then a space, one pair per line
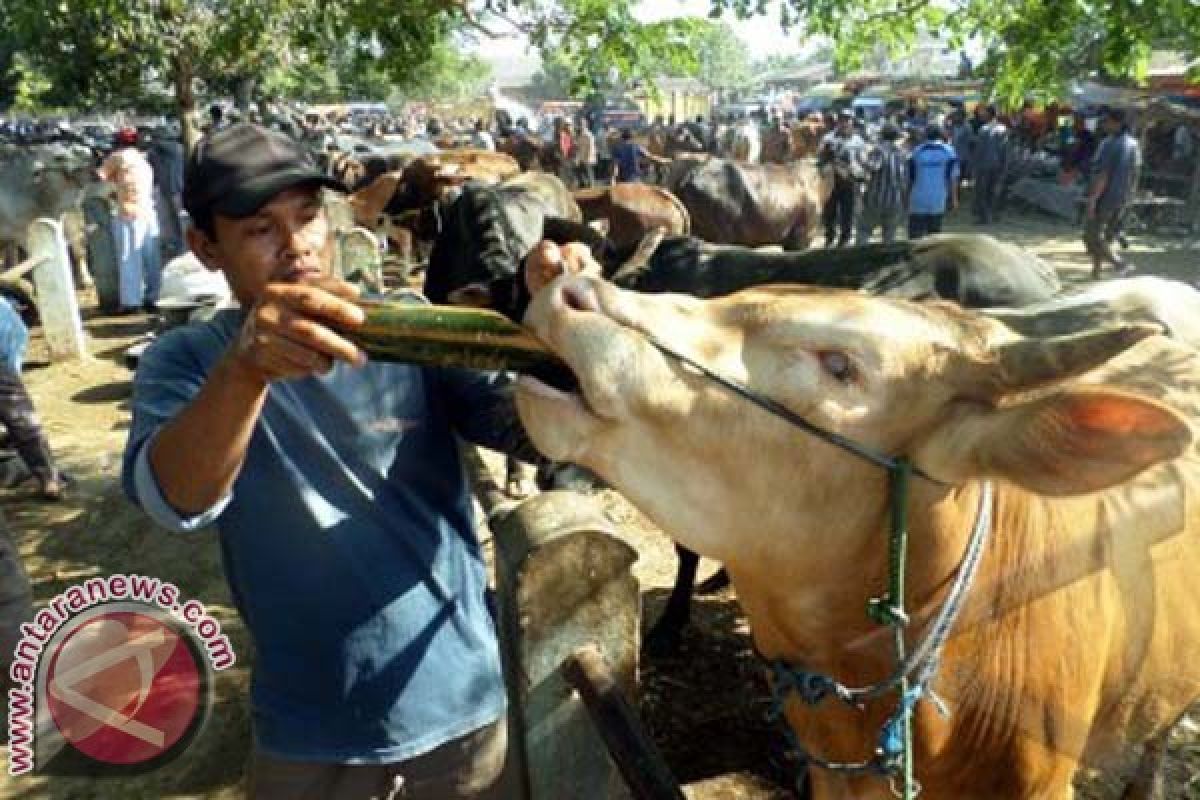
169, 376
14, 336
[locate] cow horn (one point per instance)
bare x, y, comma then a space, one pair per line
1029, 363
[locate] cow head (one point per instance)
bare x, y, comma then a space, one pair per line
961, 396
42, 181
484, 235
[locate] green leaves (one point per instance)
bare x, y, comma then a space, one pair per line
126, 53
1032, 44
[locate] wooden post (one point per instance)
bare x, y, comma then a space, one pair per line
57, 305
636, 755
563, 581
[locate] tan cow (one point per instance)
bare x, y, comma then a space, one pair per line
484, 165
1080, 639
806, 137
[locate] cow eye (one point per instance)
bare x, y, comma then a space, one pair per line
838, 365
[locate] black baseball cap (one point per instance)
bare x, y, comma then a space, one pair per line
237, 170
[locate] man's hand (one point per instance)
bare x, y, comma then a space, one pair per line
288, 333
548, 260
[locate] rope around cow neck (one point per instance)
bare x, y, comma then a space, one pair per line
893, 756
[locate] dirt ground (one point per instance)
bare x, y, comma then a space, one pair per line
705, 707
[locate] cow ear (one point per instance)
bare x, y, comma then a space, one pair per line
1073, 441
473, 295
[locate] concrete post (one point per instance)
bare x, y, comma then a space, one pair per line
57, 304
357, 259
564, 580
102, 252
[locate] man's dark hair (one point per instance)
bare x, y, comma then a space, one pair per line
203, 220
626, 134
1117, 115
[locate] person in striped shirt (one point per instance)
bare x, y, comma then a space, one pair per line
886, 194
933, 176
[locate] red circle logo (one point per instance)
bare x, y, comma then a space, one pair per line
123, 687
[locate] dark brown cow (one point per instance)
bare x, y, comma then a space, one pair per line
669, 143
530, 152
752, 204
632, 211
777, 146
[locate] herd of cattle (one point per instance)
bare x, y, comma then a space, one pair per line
1080, 639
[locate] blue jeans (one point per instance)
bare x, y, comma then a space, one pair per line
139, 263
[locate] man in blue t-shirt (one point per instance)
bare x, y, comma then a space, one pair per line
1115, 174
933, 180
627, 157
345, 520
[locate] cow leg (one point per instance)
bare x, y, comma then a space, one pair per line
1148, 783
663, 638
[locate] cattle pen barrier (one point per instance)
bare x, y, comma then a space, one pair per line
49, 264
569, 616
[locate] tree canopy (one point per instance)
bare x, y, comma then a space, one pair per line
150, 53
1030, 44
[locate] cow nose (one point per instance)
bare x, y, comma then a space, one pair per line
577, 293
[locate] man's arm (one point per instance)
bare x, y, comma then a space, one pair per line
195, 458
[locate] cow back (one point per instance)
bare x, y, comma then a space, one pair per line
751, 205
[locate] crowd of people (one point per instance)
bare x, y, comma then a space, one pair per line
898, 170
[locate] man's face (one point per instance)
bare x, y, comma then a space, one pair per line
286, 241
845, 126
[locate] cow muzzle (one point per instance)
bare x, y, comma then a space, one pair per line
581, 319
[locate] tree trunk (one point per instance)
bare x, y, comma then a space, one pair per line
185, 100
243, 92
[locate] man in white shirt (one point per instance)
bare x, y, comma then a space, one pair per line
135, 225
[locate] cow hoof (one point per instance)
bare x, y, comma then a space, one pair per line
717, 582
